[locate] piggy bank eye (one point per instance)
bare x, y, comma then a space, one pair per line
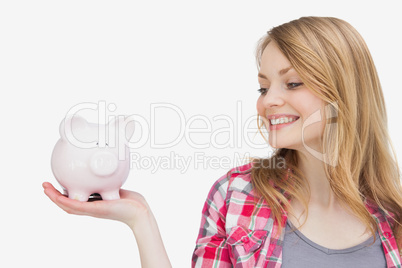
97, 144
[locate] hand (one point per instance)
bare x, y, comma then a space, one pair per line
132, 209
129, 209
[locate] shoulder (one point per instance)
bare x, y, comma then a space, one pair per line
234, 188
381, 215
233, 193
377, 212
236, 179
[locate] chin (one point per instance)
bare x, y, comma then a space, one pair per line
280, 146
279, 143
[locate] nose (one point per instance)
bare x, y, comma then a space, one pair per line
273, 97
103, 163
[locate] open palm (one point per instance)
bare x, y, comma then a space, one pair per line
127, 209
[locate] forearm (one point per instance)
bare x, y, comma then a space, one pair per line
150, 244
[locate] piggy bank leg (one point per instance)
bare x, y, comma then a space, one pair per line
80, 196
110, 195
65, 192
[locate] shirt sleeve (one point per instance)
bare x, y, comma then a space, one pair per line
211, 248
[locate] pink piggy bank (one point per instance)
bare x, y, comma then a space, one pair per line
91, 158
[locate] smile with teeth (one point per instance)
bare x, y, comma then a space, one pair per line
282, 120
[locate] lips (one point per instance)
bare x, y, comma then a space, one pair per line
277, 116
278, 121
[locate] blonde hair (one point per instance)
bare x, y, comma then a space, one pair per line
334, 62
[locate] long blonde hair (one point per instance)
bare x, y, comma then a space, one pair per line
334, 62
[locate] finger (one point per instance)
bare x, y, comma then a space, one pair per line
51, 192
47, 185
58, 198
95, 209
71, 206
54, 195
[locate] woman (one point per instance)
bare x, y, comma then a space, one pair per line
337, 201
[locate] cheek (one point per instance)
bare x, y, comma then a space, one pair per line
262, 113
260, 107
306, 103
313, 116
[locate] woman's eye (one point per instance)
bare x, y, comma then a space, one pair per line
262, 90
293, 85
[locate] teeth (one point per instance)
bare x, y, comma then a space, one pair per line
282, 120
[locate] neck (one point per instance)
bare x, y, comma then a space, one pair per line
314, 171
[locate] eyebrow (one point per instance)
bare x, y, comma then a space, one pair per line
281, 72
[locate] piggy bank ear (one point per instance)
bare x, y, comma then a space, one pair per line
69, 124
130, 127
123, 125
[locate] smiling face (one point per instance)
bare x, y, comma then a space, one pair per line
286, 103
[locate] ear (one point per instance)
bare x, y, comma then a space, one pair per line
69, 123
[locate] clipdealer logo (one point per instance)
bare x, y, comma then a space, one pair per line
218, 132
237, 131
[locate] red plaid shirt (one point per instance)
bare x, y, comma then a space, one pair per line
238, 231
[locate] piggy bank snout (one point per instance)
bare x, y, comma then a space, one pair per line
103, 163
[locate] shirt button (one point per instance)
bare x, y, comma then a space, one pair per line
245, 239
387, 234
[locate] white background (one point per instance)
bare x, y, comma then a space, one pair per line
195, 55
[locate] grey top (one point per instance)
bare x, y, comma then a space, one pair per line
300, 252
